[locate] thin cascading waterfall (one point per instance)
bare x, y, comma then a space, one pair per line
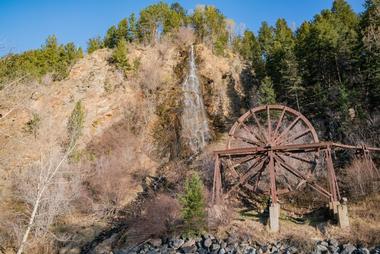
195, 128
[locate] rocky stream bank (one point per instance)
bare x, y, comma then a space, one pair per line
210, 244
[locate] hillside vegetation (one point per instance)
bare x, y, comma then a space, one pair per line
91, 144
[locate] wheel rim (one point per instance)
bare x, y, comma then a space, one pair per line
270, 126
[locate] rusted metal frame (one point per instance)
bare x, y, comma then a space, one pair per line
231, 167
295, 156
272, 177
334, 189
258, 179
217, 184
246, 140
258, 164
279, 122
247, 128
298, 174
284, 148
252, 188
269, 126
338, 145
285, 132
259, 125
239, 151
302, 182
300, 147
295, 137
241, 161
290, 111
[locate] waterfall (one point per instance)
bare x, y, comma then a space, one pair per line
194, 120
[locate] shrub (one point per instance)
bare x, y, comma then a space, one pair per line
119, 56
158, 218
360, 179
193, 205
94, 44
75, 123
33, 125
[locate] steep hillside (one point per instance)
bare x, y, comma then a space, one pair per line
117, 148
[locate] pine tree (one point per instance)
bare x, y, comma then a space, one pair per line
122, 30
369, 42
193, 205
210, 27
266, 37
249, 49
132, 28
153, 22
120, 56
281, 64
266, 92
94, 44
111, 38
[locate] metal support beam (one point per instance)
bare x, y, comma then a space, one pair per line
333, 184
272, 175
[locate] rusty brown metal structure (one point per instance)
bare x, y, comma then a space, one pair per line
274, 149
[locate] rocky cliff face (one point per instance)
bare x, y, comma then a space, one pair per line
108, 96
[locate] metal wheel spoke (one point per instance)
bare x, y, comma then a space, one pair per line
279, 122
251, 173
295, 156
251, 132
259, 125
258, 176
296, 136
244, 160
264, 143
269, 125
246, 140
298, 174
285, 132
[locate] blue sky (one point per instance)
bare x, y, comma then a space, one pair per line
25, 24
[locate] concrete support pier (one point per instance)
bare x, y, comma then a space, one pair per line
333, 207
343, 216
274, 217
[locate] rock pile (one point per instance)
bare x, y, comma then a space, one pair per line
210, 244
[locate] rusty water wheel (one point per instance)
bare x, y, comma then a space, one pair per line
265, 171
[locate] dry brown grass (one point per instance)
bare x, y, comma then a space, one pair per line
115, 169
159, 217
364, 227
364, 222
361, 179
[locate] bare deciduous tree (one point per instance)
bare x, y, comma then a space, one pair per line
47, 188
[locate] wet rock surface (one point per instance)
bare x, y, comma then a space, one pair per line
210, 244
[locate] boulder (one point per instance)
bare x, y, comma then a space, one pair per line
177, 243
157, 242
207, 242
348, 249
215, 246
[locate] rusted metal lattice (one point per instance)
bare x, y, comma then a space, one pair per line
273, 150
